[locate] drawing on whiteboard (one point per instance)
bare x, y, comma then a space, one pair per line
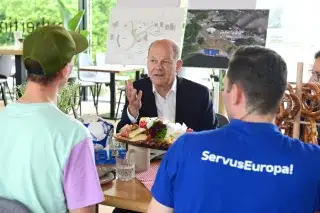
136, 33
130, 36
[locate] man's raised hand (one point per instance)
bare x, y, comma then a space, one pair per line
134, 99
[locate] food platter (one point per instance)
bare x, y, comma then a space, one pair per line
151, 143
153, 133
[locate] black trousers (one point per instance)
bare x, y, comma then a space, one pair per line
117, 210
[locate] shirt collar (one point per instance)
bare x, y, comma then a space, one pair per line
173, 87
252, 127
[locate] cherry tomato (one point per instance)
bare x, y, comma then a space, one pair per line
143, 124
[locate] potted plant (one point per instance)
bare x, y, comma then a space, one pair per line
67, 98
69, 22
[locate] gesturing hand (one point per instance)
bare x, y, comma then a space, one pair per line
134, 99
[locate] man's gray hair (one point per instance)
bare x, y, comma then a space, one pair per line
175, 47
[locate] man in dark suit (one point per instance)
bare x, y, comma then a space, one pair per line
193, 104
163, 94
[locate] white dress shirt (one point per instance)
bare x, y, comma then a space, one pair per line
166, 107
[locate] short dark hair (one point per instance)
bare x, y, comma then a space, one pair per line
317, 55
262, 74
40, 79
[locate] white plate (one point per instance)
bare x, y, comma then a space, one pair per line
107, 178
104, 170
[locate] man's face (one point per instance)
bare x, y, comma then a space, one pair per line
316, 69
162, 66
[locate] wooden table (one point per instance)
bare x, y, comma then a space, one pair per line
130, 195
113, 69
21, 74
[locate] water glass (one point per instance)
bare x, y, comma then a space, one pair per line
125, 166
17, 39
17, 35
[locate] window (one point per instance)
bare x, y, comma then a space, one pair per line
25, 16
293, 33
98, 22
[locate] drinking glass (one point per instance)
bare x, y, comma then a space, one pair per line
125, 166
17, 35
17, 39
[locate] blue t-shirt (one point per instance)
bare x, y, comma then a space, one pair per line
242, 167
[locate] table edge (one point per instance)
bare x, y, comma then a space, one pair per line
132, 205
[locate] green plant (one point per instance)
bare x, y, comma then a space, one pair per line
67, 98
69, 22
37, 13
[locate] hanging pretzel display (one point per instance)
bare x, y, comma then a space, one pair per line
288, 109
310, 100
290, 106
310, 133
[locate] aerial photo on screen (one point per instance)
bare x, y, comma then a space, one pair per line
211, 36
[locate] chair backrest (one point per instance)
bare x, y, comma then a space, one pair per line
6, 65
222, 120
100, 58
12, 206
101, 61
84, 61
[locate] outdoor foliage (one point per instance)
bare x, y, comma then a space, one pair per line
26, 15
67, 97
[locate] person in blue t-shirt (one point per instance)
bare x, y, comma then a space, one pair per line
248, 165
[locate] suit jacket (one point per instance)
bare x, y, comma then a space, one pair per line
194, 105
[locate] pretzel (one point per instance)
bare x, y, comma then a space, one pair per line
310, 100
286, 128
285, 110
290, 89
288, 109
309, 105
296, 105
310, 134
289, 106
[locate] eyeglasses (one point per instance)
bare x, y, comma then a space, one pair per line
315, 73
